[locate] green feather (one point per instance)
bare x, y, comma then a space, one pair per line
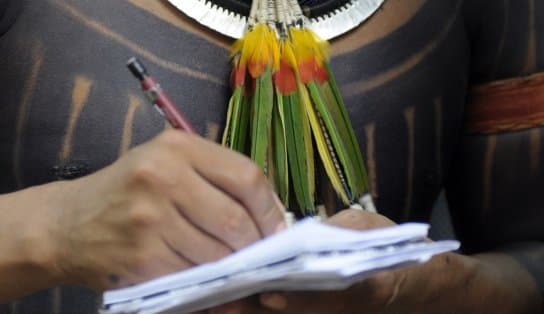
240, 141
233, 118
263, 100
281, 178
342, 120
227, 134
296, 148
324, 147
335, 136
358, 185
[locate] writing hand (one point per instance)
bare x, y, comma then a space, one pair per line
176, 201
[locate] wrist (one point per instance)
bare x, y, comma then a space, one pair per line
38, 245
27, 237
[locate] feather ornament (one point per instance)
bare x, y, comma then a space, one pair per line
286, 105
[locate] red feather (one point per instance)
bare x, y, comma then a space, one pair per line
238, 76
321, 74
285, 79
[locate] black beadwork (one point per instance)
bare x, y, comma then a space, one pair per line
313, 8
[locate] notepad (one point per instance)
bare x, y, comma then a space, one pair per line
309, 256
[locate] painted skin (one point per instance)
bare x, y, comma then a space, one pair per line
405, 76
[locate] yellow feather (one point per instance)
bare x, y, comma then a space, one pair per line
307, 44
322, 47
237, 47
308, 145
258, 46
302, 48
322, 145
226, 140
289, 55
275, 50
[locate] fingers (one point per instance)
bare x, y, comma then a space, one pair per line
189, 242
250, 187
237, 176
167, 263
199, 191
173, 202
245, 182
202, 212
215, 213
150, 260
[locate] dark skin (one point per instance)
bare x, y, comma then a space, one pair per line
484, 282
405, 75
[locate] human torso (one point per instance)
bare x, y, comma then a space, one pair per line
69, 100
70, 107
496, 181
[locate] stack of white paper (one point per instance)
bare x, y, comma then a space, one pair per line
308, 256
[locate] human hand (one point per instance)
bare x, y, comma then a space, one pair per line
359, 220
175, 201
407, 290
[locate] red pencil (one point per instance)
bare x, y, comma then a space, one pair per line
168, 109
160, 100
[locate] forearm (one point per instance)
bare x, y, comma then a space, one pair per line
27, 251
493, 282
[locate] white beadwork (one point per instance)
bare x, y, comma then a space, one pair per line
234, 25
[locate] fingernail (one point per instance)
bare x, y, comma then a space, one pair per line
274, 301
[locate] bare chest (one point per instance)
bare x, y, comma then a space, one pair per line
71, 103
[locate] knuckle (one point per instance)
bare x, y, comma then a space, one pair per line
144, 216
233, 223
143, 171
250, 174
236, 228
